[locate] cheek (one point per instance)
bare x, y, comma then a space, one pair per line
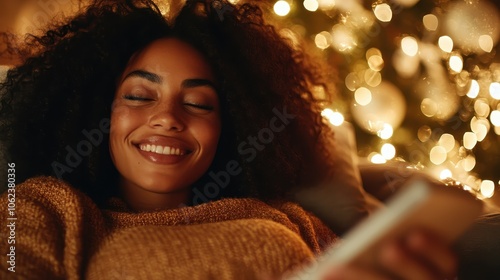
208, 135
122, 123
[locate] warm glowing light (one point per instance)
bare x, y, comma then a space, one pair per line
372, 78
485, 43
430, 22
447, 141
386, 132
322, 40
281, 8
326, 4
480, 127
456, 63
470, 140
445, 43
481, 132
377, 158
428, 107
406, 3
437, 155
495, 90
388, 151
424, 133
409, 46
342, 38
311, 5
474, 89
376, 62
335, 118
372, 51
468, 163
352, 81
383, 12
446, 173
481, 108
495, 118
406, 66
363, 96
487, 188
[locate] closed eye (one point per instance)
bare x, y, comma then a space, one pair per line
200, 106
136, 98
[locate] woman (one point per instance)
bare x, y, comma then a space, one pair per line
207, 122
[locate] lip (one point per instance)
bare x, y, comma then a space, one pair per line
163, 141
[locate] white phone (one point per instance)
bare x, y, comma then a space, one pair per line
445, 211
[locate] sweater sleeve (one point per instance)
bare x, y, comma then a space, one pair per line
311, 229
48, 223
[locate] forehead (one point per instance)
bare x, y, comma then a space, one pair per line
167, 56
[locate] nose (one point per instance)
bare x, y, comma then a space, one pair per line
168, 118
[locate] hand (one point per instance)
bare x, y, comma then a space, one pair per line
420, 256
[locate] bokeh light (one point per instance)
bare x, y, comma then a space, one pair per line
437, 155
322, 40
467, 21
311, 5
383, 12
495, 118
430, 22
447, 141
445, 173
473, 89
363, 96
335, 118
281, 8
377, 158
456, 64
388, 151
445, 43
495, 90
385, 132
470, 140
487, 188
387, 107
409, 45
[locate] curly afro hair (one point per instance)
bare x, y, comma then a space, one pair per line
56, 105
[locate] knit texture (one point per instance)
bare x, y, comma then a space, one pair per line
61, 234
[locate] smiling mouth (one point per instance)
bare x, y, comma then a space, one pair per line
163, 150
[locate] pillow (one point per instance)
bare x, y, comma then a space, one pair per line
343, 202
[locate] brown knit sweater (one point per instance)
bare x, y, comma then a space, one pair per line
61, 234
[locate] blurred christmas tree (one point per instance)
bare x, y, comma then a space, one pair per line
421, 79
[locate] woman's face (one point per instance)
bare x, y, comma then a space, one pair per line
165, 123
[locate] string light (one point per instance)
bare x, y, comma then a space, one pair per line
458, 82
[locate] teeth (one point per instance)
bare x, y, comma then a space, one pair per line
164, 150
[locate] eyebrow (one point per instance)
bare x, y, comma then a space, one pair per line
154, 78
191, 83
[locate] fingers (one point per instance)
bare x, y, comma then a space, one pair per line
404, 265
436, 253
421, 256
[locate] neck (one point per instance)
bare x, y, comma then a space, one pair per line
140, 199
